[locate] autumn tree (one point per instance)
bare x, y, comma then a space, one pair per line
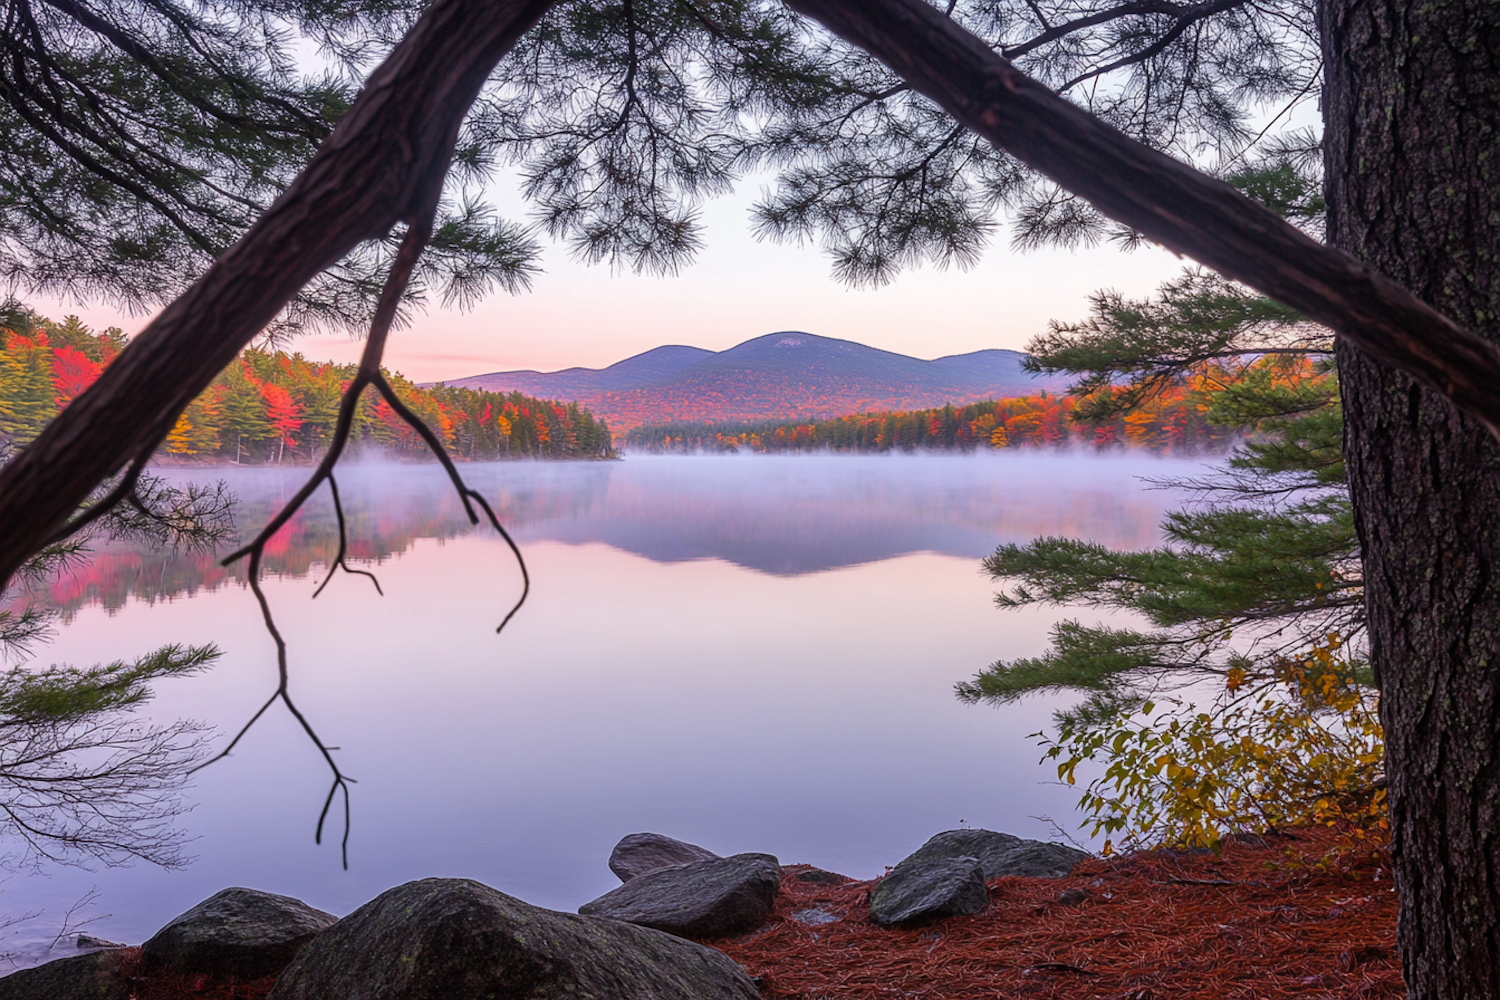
622, 115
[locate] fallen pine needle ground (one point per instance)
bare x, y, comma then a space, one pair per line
1260, 922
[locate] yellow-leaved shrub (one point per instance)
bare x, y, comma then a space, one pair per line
1302, 747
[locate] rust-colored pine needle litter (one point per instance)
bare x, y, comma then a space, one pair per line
1259, 922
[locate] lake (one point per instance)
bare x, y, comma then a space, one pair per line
750, 653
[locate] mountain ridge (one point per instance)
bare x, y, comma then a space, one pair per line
788, 375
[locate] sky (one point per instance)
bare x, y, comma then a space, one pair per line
737, 288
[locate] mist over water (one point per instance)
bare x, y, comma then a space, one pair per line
785, 515
751, 653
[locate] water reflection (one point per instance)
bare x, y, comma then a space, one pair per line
781, 515
752, 654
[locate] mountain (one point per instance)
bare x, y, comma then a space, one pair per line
781, 376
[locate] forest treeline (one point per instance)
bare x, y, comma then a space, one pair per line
1173, 422
270, 407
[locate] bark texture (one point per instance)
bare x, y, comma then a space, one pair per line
1412, 115
1165, 200
384, 164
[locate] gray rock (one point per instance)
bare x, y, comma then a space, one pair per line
455, 939
925, 889
96, 976
640, 853
703, 899
816, 917
1035, 859
243, 933
987, 846
819, 875
1001, 854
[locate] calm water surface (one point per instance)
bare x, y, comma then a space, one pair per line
753, 654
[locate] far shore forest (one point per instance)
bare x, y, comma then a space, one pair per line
1173, 422
278, 408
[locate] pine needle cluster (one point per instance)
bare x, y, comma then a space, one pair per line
1250, 648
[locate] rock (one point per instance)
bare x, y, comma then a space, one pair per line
640, 853
1035, 859
1073, 897
923, 889
89, 941
243, 933
97, 976
815, 917
456, 939
987, 846
1001, 854
818, 875
703, 899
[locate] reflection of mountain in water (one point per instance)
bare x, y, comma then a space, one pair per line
781, 515
788, 517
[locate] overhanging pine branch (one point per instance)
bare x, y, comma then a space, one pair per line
1167, 201
384, 164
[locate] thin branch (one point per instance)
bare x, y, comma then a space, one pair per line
1052, 34
369, 373
338, 560
98, 509
464, 492
1157, 47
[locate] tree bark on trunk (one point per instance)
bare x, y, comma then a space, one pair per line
386, 161
384, 164
1412, 116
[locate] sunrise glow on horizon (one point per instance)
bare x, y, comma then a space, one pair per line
584, 316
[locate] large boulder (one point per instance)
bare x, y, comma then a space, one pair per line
95, 976
1037, 859
703, 899
456, 939
639, 853
925, 889
240, 933
1000, 853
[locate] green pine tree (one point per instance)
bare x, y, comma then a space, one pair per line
243, 419
1256, 589
27, 397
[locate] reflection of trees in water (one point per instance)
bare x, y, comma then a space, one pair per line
783, 516
384, 520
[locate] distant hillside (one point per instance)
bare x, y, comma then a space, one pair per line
781, 376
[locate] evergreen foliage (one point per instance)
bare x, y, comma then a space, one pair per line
1257, 579
1173, 422
143, 138
270, 406
81, 780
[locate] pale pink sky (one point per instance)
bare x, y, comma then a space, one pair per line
738, 288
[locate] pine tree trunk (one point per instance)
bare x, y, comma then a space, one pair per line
1412, 115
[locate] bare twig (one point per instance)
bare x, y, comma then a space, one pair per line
369, 374
104, 505
339, 562
68, 926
